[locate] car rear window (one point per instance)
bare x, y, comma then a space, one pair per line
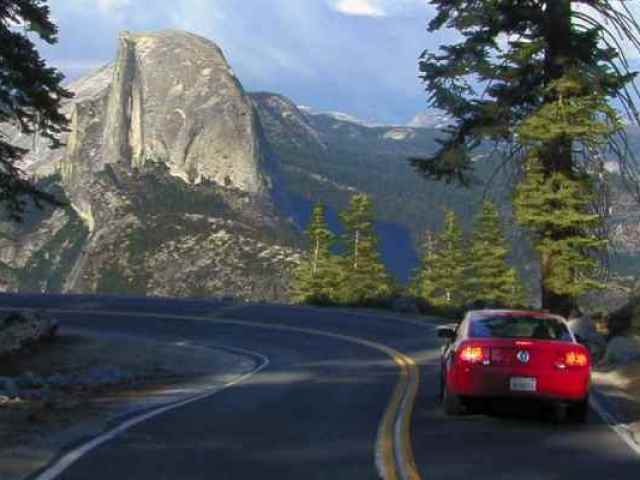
519, 326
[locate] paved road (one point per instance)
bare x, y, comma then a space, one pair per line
316, 410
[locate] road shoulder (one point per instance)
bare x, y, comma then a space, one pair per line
618, 393
88, 382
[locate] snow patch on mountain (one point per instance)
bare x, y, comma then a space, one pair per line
431, 118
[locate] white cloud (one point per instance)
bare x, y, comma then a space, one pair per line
367, 8
379, 8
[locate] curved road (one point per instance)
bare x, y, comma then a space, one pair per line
317, 409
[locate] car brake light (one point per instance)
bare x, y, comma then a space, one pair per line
474, 354
572, 359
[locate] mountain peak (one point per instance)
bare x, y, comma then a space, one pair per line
170, 97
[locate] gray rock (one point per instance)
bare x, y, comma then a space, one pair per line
8, 387
622, 350
585, 328
22, 328
170, 97
167, 119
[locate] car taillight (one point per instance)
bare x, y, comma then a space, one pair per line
572, 359
475, 354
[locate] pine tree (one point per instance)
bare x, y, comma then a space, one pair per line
442, 281
517, 294
30, 96
491, 280
364, 276
316, 279
549, 205
536, 78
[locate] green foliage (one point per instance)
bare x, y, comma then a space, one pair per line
364, 276
544, 92
558, 59
491, 279
30, 96
454, 273
317, 278
356, 276
113, 280
558, 210
442, 281
577, 112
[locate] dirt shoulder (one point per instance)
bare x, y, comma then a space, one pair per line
76, 385
620, 386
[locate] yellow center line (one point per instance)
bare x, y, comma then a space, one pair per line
394, 454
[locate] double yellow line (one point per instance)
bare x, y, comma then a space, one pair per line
393, 453
394, 436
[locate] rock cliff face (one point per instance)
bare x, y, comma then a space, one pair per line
169, 98
166, 179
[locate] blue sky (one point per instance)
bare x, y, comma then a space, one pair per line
354, 56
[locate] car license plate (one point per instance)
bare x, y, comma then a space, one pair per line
522, 384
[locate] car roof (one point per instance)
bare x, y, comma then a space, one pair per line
479, 314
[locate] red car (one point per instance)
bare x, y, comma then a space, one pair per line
494, 354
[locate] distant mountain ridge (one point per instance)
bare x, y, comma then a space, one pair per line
180, 183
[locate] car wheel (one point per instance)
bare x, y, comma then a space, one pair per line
579, 411
452, 403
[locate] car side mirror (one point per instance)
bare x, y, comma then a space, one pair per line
446, 333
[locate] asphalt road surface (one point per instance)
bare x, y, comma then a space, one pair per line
317, 408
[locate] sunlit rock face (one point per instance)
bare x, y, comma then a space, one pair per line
160, 137
171, 98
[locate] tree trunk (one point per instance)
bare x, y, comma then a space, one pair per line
316, 255
557, 155
356, 248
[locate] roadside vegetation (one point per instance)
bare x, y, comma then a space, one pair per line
344, 270
538, 81
456, 271
31, 95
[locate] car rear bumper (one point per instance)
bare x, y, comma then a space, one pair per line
481, 381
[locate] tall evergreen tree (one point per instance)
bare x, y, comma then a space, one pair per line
30, 95
536, 78
491, 279
318, 276
442, 281
554, 204
364, 276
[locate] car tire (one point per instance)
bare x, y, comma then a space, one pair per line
579, 411
451, 402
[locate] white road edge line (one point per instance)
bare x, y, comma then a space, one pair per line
623, 430
69, 458
378, 460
